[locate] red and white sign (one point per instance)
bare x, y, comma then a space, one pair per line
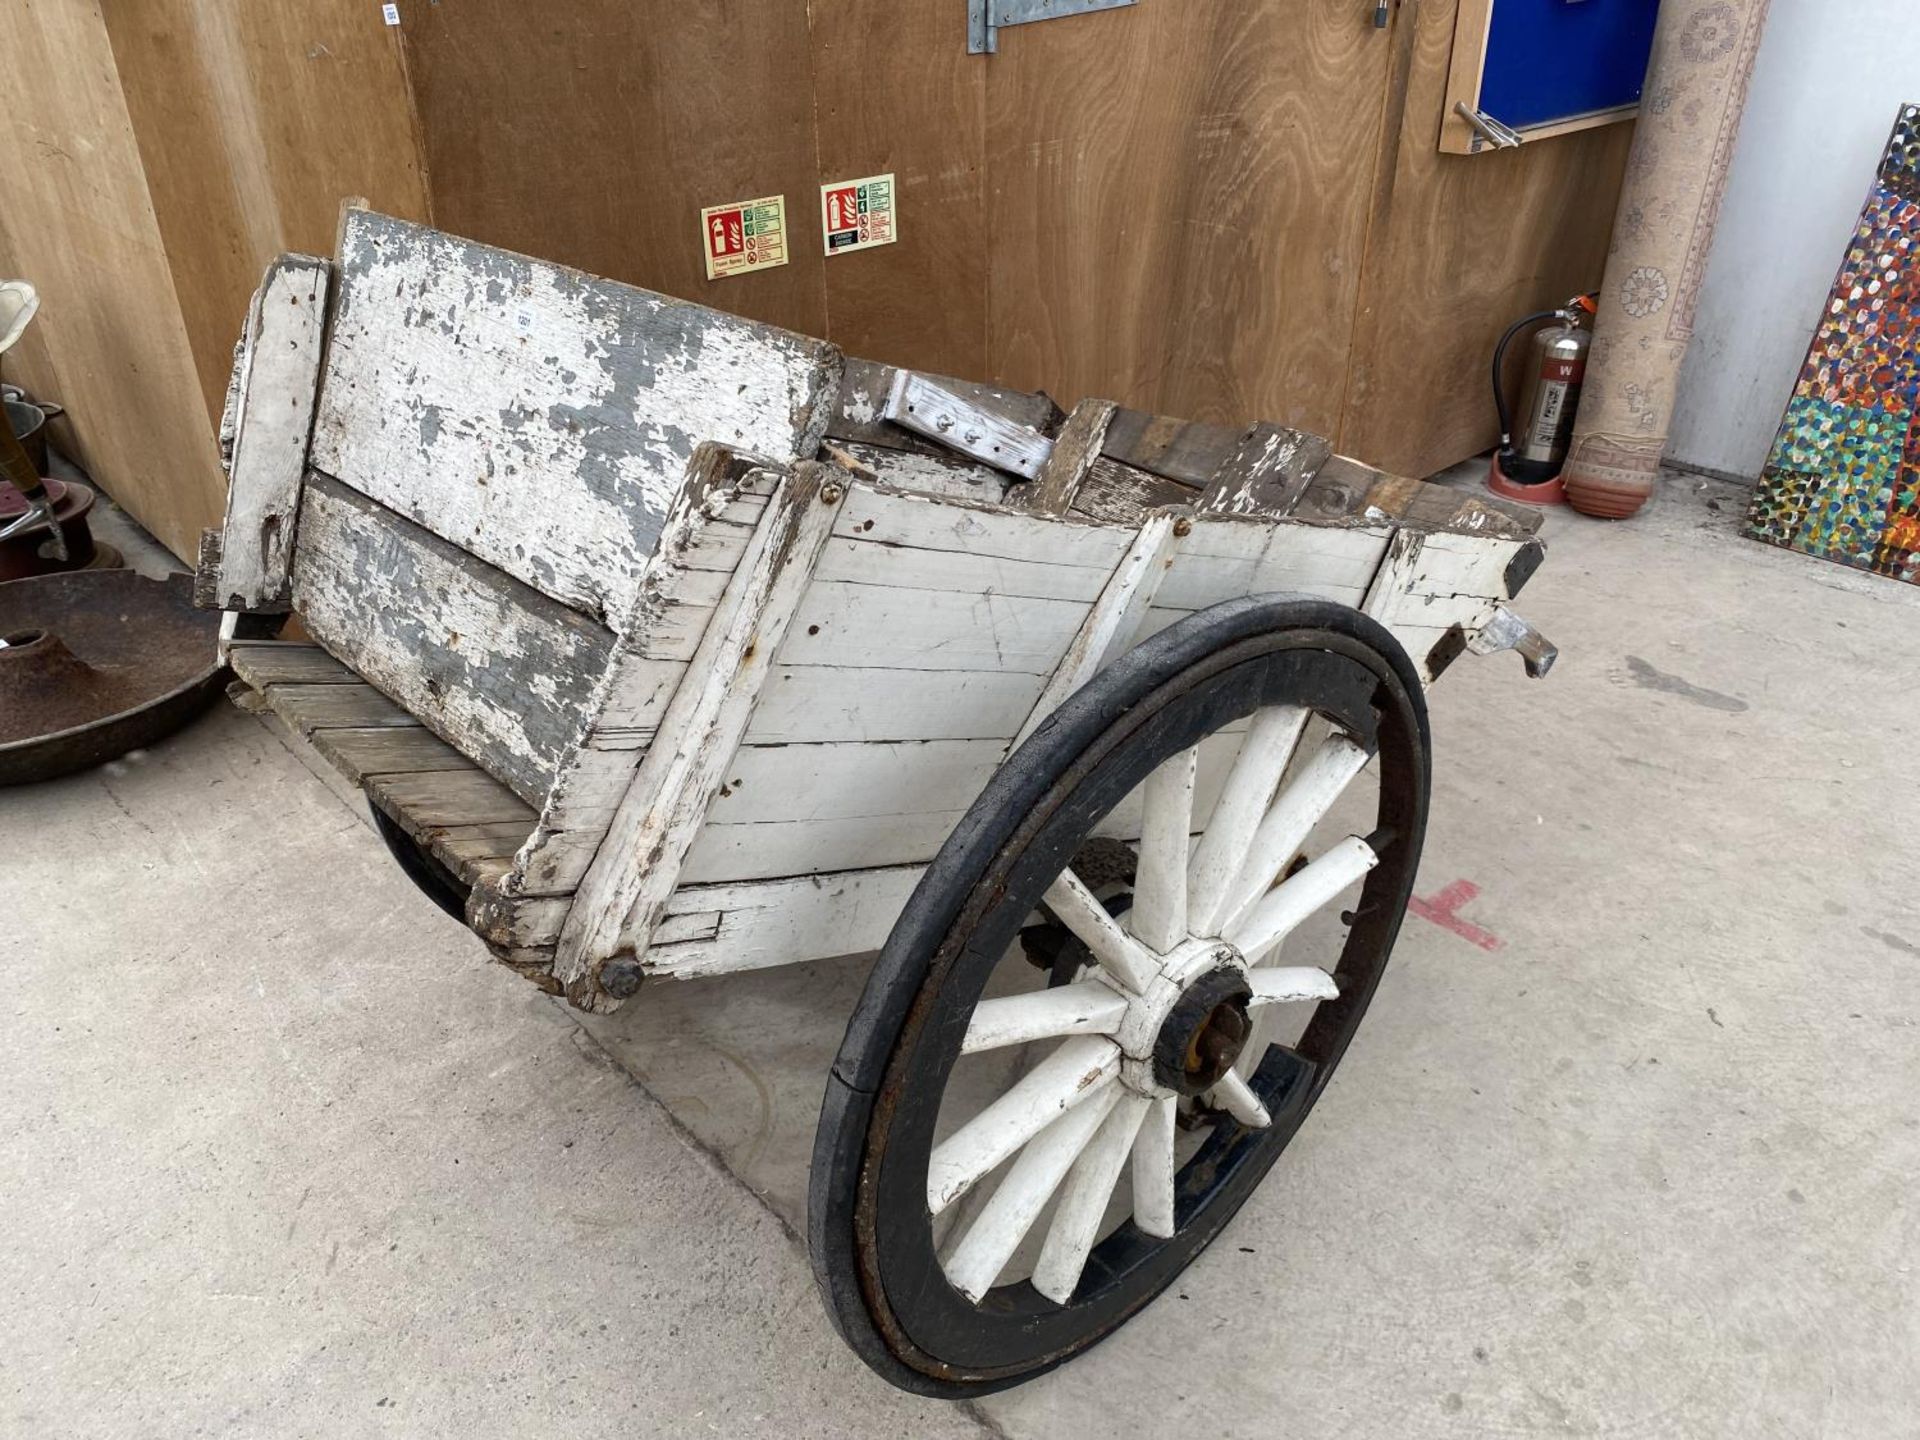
859, 214
746, 235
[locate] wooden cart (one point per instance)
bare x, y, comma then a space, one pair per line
665, 643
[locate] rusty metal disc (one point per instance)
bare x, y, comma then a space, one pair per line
97, 663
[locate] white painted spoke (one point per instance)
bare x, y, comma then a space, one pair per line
1236, 1097
1285, 827
1292, 901
1083, 1200
1153, 1170
1087, 1008
1073, 1073
1269, 744
1287, 984
976, 1262
1087, 918
1159, 914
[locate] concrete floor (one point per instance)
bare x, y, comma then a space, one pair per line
1635, 1154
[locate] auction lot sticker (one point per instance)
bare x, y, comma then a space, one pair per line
858, 214
746, 235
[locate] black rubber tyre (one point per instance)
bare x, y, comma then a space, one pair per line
869, 1227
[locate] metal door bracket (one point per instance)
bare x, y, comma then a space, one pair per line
985, 17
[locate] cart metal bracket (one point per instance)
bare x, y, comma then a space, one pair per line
985, 17
918, 404
1507, 631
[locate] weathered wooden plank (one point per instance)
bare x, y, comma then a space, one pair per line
924, 523
311, 707
1266, 473
425, 801
504, 674
1071, 459
852, 779
538, 417
1188, 451
281, 662
858, 561
1117, 494
941, 474
1345, 492
1224, 559
361, 752
876, 625
638, 865
1114, 620
801, 704
278, 383
716, 929
807, 847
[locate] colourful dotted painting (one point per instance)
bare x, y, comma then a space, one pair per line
1843, 480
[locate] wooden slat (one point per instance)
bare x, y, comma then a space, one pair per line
1075, 450
280, 662
504, 674
723, 928
363, 753
276, 385
334, 706
430, 800
539, 418
1266, 471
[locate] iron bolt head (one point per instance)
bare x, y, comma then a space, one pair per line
829, 493
621, 978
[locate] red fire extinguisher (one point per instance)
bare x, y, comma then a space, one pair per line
1528, 463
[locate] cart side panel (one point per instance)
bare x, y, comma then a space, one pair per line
539, 417
926, 605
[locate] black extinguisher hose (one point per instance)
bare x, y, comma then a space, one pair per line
1499, 371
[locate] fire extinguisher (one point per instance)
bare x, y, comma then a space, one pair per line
1528, 463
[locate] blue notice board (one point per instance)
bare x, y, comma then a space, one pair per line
1553, 60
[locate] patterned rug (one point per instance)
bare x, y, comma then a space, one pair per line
1843, 481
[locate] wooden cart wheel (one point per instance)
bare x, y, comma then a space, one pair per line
967, 1239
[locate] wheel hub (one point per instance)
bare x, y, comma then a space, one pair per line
1190, 1024
1204, 1032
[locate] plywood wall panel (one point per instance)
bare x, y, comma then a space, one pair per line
592, 133
253, 122
895, 91
1462, 246
1178, 204
80, 225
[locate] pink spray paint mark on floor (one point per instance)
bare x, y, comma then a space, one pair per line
1444, 910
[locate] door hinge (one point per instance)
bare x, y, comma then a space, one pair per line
985, 17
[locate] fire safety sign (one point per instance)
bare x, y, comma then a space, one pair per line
746, 235
858, 214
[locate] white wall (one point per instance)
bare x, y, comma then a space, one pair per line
1830, 76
